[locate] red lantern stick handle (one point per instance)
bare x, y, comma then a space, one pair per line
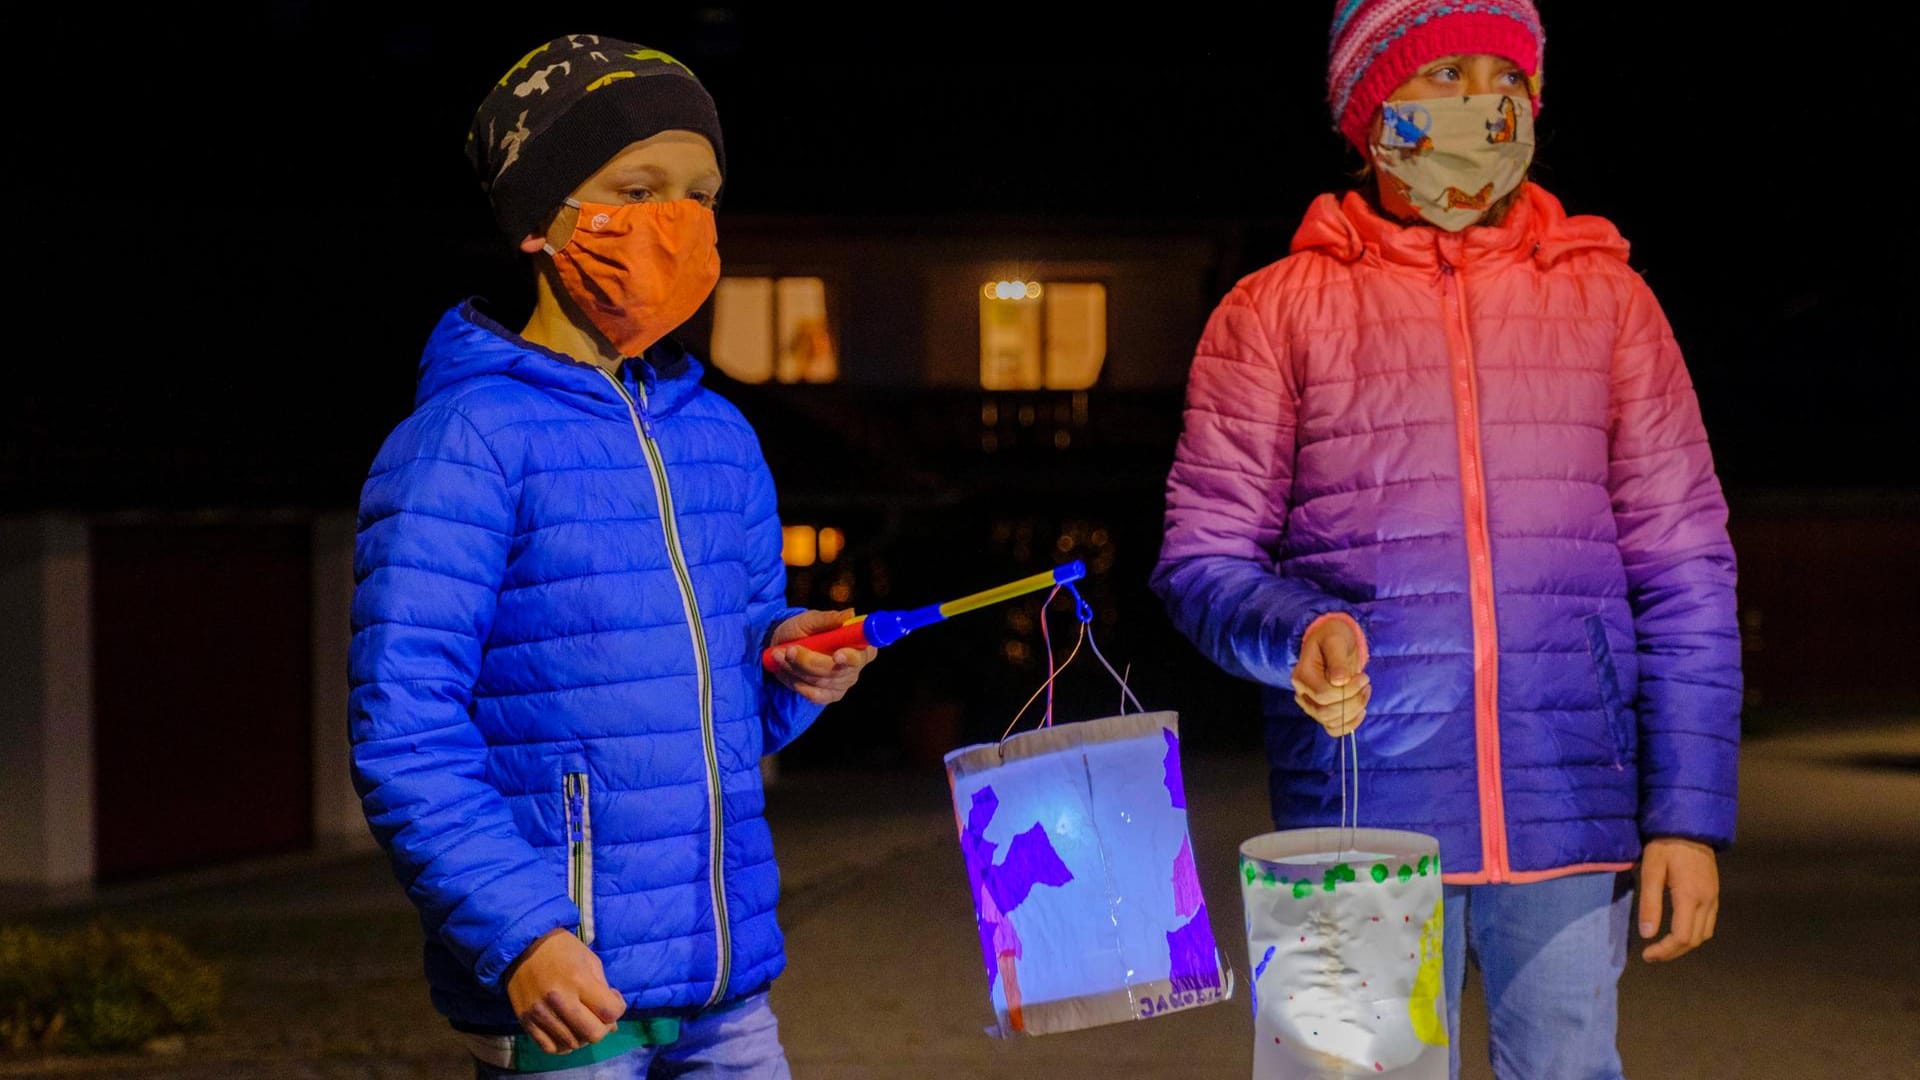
852, 635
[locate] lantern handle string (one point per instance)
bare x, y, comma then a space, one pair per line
1085, 611
1340, 755
1053, 672
1349, 744
1353, 737
1046, 639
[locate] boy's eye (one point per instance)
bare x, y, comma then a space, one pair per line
704, 198
637, 194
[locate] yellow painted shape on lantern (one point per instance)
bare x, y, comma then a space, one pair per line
1423, 1007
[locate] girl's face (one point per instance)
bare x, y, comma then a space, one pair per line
1463, 76
669, 166
1466, 75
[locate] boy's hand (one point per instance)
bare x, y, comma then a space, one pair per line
1327, 682
1688, 870
560, 993
817, 677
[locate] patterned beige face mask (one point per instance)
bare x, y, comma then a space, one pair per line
1452, 158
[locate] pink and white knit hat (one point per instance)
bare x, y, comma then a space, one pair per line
1378, 44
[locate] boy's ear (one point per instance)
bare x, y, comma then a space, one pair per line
532, 243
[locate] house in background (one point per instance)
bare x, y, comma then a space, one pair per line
948, 404
945, 405
963, 305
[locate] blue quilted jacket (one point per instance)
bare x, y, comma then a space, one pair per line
565, 579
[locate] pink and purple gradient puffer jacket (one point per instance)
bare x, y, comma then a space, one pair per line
1484, 447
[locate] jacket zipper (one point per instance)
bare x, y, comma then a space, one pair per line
669, 523
573, 794
1486, 641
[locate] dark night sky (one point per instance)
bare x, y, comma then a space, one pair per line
232, 235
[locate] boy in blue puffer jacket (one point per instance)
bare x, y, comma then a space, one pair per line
568, 566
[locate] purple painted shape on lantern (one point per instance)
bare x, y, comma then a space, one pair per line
1190, 950
1176, 787
997, 890
1259, 970
1030, 861
1187, 897
980, 814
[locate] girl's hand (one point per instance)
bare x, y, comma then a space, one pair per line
819, 678
1688, 870
1328, 681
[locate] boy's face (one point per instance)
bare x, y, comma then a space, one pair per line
669, 166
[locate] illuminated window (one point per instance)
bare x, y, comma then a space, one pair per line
773, 329
1035, 336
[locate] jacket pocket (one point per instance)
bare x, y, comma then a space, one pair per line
1619, 720
578, 810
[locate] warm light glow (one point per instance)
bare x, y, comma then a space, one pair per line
1011, 290
804, 349
767, 329
1076, 335
831, 543
799, 545
743, 328
1059, 343
1011, 342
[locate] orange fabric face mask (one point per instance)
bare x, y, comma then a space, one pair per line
638, 271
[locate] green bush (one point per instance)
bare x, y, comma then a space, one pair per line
101, 988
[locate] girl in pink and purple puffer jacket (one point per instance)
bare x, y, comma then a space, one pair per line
1443, 471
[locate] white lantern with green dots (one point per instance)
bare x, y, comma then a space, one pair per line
1344, 933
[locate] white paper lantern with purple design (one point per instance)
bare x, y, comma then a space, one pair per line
1082, 875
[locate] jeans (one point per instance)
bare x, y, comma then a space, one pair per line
1550, 956
741, 1043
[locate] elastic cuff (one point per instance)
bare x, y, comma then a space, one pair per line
556, 914
766, 636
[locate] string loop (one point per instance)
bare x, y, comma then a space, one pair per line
1083, 612
1348, 745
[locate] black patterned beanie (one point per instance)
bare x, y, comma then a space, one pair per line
566, 109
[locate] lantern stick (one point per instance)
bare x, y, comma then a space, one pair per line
883, 628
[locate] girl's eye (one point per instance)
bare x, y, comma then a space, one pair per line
1513, 78
1446, 74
